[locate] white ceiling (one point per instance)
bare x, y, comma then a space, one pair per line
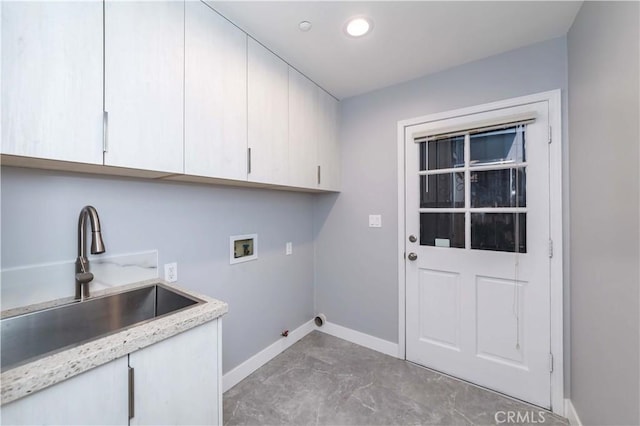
409, 39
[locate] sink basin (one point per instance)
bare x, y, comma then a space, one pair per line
30, 336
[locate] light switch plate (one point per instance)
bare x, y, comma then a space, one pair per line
288, 248
375, 221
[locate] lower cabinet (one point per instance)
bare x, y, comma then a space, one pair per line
98, 396
176, 381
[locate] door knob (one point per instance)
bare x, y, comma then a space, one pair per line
412, 256
412, 238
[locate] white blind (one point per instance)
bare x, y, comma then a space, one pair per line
476, 127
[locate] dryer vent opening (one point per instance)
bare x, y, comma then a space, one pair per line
320, 320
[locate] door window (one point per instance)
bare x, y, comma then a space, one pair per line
473, 190
442, 229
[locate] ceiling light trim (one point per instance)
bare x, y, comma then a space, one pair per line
358, 26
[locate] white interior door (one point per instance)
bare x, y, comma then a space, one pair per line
477, 244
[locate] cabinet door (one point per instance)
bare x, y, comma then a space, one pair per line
328, 143
268, 115
176, 381
303, 130
144, 77
96, 397
52, 80
215, 142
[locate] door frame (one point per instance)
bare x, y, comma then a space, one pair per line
555, 223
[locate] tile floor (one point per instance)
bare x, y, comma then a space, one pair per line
323, 380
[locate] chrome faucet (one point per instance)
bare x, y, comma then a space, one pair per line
83, 276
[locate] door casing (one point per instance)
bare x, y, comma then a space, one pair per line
555, 202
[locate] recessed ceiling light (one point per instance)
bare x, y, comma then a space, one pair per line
304, 26
359, 26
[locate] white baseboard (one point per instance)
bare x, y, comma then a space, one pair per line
239, 373
571, 414
236, 375
362, 339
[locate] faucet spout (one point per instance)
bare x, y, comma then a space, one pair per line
83, 276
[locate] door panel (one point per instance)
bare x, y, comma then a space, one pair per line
95, 397
477, 293
303, 130
495, 303
144, 81
439, 296
176, 380
215, 126
268, 115
52, 80
328, 144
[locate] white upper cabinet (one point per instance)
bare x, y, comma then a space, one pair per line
169, 87
268, 116
144, 78
215, 140
314, 153
52, 80
328, 145
304, 129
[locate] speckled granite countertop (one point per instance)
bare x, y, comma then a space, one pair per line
41, 373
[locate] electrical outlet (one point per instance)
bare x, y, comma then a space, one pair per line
288, 249
171, 272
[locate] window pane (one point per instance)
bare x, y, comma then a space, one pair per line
496, 231
498, 146
445, 190
442, 229
442, 153
499, 188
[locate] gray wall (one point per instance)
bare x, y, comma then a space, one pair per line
356, 266
603, 123
187, 223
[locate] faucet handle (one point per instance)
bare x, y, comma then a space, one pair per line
82, 285
84, 277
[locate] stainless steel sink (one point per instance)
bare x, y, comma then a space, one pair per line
33, 335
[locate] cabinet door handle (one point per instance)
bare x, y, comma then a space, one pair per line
248, 160
131, 393
105, 131
319, 175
